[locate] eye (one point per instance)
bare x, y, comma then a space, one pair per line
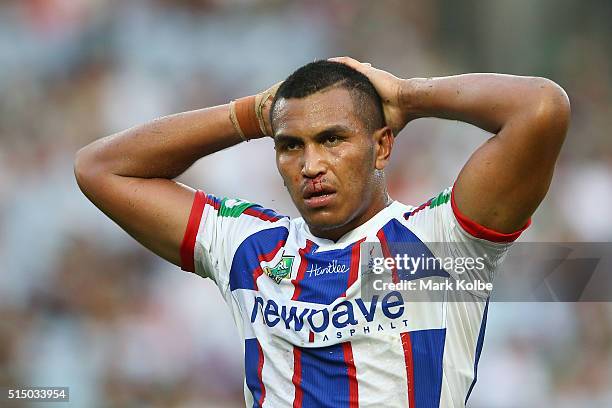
332, 140
292, 146
289, 145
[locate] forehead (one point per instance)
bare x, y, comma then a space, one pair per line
309, 115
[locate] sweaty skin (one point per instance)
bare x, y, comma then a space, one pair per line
507, 177
332, 166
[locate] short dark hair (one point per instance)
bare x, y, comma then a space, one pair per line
319, 75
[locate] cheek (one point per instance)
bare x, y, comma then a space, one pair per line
288, 171
282, 164
355, 168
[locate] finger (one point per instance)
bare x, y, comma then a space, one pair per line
353, 63
345, 60
342, 59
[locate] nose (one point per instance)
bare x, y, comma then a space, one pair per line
313, 164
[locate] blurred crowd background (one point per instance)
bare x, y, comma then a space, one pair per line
82, 305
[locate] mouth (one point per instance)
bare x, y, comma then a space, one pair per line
317, 197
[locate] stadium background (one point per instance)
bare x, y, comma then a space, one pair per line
82, 305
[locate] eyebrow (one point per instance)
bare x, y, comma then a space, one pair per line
281, 137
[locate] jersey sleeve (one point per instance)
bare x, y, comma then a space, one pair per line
451, 234
215, 229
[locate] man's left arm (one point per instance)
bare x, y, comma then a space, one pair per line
506, 178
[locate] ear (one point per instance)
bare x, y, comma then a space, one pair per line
383, 145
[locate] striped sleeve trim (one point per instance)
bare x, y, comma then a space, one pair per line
480, 231
191, 232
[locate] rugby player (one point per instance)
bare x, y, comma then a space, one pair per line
294, 285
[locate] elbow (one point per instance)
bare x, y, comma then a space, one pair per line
552, 108
87, 169
81, 173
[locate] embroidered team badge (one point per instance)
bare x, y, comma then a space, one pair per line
281, 270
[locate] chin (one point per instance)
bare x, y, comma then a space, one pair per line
325, 221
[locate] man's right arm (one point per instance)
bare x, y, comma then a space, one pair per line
129, 175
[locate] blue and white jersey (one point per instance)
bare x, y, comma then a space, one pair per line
310, 338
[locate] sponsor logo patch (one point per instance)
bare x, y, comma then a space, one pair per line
281, 270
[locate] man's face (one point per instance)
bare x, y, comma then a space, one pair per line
327, 159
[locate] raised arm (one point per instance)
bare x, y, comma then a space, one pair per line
507, 177
129, 175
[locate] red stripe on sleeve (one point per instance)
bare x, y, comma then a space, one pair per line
260, 214
352, 375
297, 377
191, 232
407, 345
480, 231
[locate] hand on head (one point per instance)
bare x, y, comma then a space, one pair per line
388, 86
